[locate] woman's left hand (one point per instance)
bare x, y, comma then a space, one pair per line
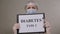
48, 27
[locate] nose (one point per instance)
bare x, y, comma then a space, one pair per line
31, 8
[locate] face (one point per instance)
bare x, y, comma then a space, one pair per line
31, 7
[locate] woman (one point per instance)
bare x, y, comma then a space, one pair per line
31, 8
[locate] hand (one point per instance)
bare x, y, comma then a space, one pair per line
15, 27
48, 28
47, 25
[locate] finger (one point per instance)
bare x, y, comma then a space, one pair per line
47, 25
17, 25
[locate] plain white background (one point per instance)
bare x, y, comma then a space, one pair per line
10, 8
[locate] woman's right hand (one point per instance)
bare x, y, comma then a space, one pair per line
15, 27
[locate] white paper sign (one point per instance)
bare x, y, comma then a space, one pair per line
31, 23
